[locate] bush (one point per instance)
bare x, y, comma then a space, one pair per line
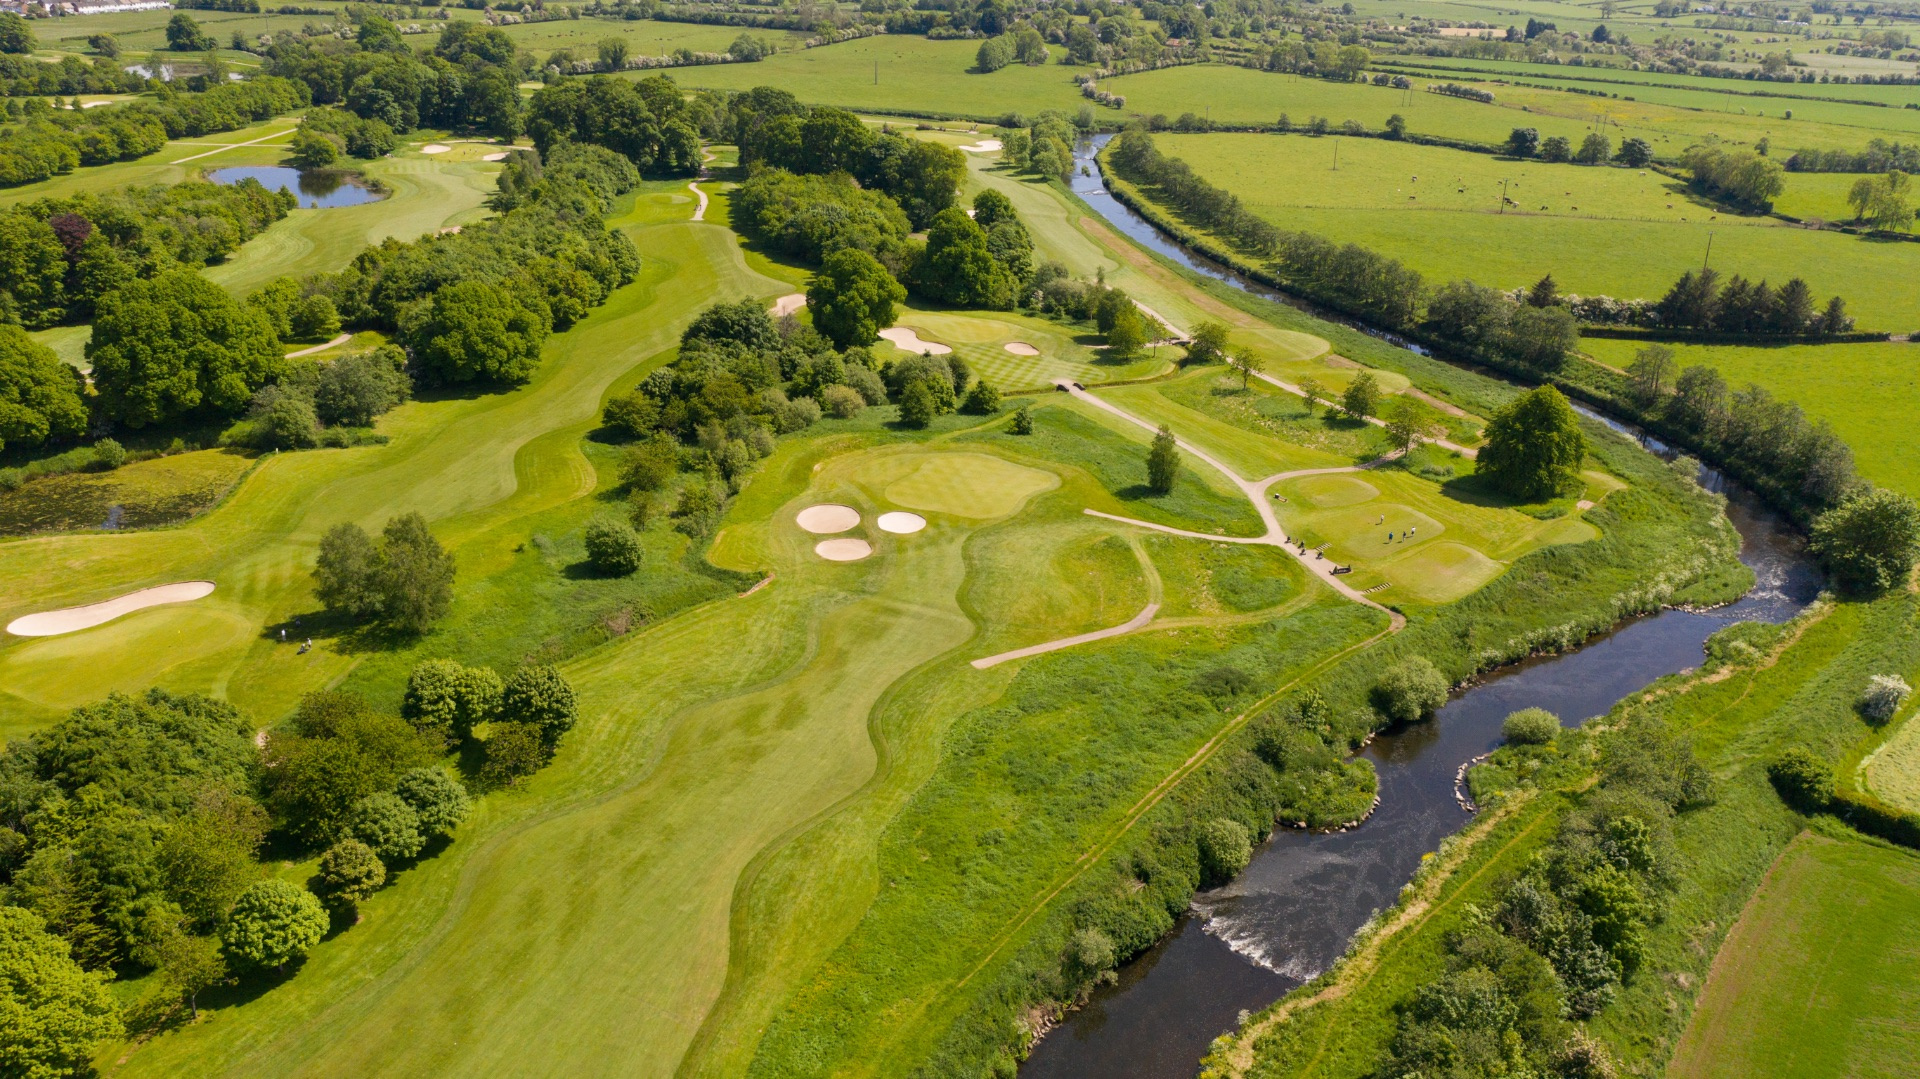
1410, 690
514, 750
1531, 727
274, 923
842, 402
1803, 780
389, 825
108, 455
983, 399
1090, 953
632, 415
438, 799
1023, 421
1883, 696
1225, 849
350, 872
613, 548
917, 407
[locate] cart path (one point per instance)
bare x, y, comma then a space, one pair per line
1138, 621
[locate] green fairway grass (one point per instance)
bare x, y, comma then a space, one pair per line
968, 485
979, 338
1816, 978
1614, 244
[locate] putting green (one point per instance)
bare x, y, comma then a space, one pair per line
972, 485
158, 645
1327, 492
1439, 572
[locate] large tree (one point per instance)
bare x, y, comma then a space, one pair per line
33, 270
853, 298
274, 923
1534, 445
1869, 542
178, 343
541, 697
958, 268
406, 580
40, 397
1163, 462
473, 331
51, 1012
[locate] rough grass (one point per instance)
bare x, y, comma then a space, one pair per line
158, 491
1817, 977
1893, 774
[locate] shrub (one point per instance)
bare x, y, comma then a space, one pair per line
1225, 849
983, 399
514, 750
632, 415
1531, 727
1803, 780
350, 872
842, 402
108, 454
1410, 690
274, 923
1023, 421
1883, 696
438, 799
389, 825
613, 547
917, 407
1090, 953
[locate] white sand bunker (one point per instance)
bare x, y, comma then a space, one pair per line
828, 518
500, 156
982, 147
70, 619
1021, 348
901, 523
843, 550
906, 338
788, 304
435, 148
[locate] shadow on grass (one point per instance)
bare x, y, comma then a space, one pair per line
347, 634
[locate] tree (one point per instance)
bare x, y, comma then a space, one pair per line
416, 574
1023, 421
1523, 142
360, 386
1410, 690
983, 399
1530, 727
274, 923
1557, 149
1225, 849
1883, 202
1544, 293
1634, 153
350, 872
613, 548
957, 266
1362, 397
1869, 542
15, 35
994, 54
446, 700
344, 575
1311, 391
185, 35
514, 750
539, 696
386, 823
104, 44
208, 857
1882, 697
472, 331
1534, 445
1804, 781
1163, 462
613, 53
1128, 333
1244, 363
191, 965
632, 415
40, 397
314, 318
311, 149
437, 798
341, 750
55, 1011
33, 270
917, 407
1208, 343
1651, 370
853, 298
177, 343
1595, 149
1396, 126
1403, 427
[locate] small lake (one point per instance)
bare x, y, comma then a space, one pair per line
315, 188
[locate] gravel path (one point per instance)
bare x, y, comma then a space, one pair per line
1138, 621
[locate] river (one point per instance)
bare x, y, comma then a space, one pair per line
1294, 908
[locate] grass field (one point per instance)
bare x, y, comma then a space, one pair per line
980, 339
1892, 772
264, 143
1816, 978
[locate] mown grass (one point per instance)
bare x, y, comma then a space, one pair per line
980, 338
1817, 977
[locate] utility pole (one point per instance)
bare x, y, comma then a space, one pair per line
876, 72
1336, 155
1709, 258
1503, 196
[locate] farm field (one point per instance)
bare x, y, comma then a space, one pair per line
1816, 977
1625, 244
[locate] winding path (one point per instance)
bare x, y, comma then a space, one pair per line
1138, 621
340, 340
1375, 420
700, 211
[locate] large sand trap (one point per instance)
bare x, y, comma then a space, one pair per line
435, 148
901, 523
826, 519
1021, 348
69, 619
983, 146
843, 550
905, 338
498, 156
789, 304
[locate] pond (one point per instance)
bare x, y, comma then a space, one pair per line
315, 188
1292, 911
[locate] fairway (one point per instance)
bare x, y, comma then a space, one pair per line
1816, 979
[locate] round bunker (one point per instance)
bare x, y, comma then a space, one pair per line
901, 523
497, 156
1021, 348
905, 338
828, 518
71, 619
843, 550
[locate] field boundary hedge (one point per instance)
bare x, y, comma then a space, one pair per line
1709, 337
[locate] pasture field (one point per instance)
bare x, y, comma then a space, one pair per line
1816, 978
1892, 771
1606, 237
1866, 391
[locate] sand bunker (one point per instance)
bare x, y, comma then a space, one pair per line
983, 146
789, 304
435, 148
905, 338
500, 156
826, 519
900, 523
1021, 348
69, 619
843, 550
